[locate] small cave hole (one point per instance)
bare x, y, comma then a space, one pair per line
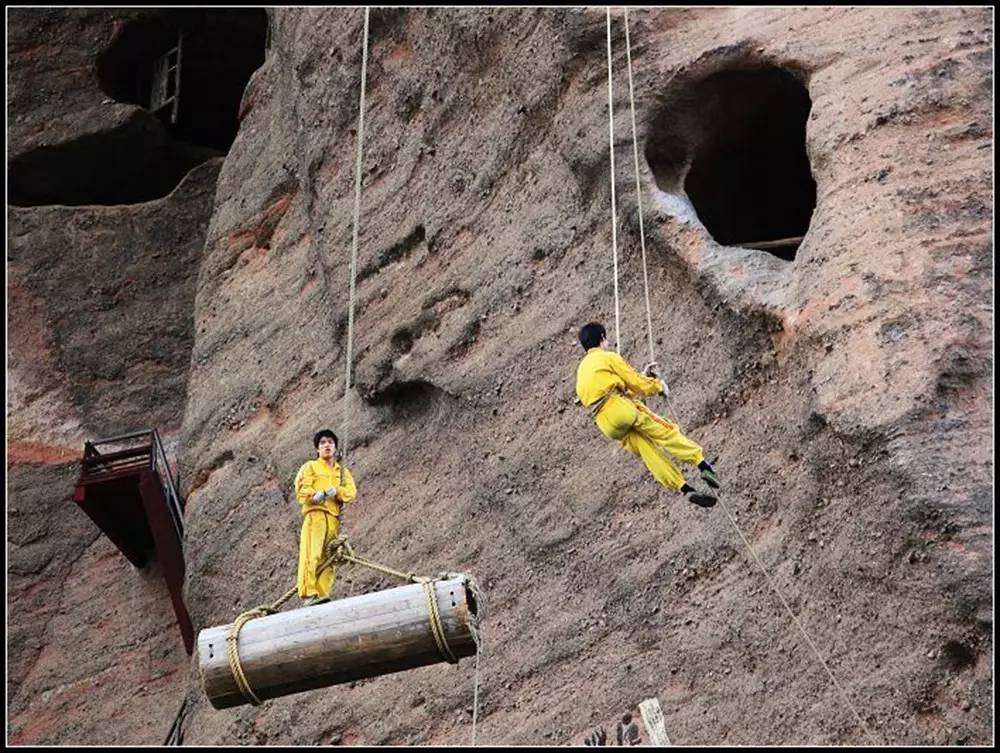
402, 341
734, 143
957, 656
408, 398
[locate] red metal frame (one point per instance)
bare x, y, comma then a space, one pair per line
131, 496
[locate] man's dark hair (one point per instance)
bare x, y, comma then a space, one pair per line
591, 335
324, 433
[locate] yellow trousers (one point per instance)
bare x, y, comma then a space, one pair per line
644, 433
318, 530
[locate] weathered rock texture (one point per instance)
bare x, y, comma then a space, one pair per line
844, 395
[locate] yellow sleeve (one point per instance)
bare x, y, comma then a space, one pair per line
304, 484
347, 491
634, 381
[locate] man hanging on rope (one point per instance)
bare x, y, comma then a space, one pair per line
322, 487
611, 388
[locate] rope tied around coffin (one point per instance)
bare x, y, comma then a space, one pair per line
341, 553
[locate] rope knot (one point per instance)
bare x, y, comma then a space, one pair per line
339, 551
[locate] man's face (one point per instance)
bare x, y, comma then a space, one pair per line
327, 448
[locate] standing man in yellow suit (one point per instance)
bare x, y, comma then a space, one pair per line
322, 487
611, 388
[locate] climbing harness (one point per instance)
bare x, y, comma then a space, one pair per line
595, 407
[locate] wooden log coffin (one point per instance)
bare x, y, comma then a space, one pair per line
340, 641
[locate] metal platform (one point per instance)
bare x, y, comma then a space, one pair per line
128, 491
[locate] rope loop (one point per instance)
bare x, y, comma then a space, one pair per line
340, 552
436, 627
232, 650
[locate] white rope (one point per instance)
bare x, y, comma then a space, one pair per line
638, 190
351, 302
795, 619
614, 212
354, 244
638, 198
475, 696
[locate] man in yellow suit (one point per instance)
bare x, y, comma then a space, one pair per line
611, 388
322, 487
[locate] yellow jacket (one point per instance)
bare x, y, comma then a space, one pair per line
600, 371
316, 476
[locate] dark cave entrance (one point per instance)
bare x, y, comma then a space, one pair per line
735, 142
188, 69
205, 56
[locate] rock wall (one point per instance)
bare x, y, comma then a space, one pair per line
842, 394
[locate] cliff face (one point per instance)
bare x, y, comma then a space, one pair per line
840, 386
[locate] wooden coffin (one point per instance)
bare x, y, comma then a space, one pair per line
340, 641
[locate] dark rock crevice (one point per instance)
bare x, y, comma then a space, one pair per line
397, 252
406, 399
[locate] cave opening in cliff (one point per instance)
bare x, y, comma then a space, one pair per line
189, 67
734, 143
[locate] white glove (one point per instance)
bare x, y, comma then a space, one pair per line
652, 369
666, 389
331, 493
318, 497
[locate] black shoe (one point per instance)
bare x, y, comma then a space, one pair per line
702, 500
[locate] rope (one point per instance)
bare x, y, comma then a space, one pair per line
344, 553
354, 243
638, 198
436, 627
475, 695
652, 354
638, 191
232, 643
777, 593
348, 556
232, 649
176, 734
614, 212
